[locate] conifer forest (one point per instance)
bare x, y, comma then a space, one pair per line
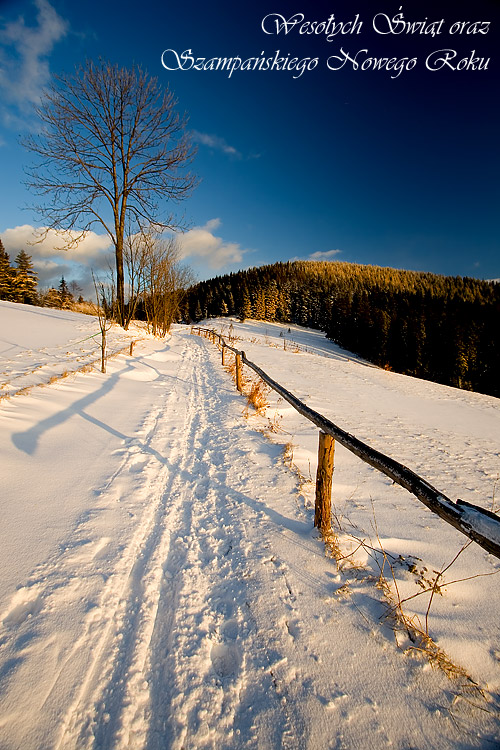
440, 328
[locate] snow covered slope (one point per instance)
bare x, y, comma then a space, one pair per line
162, 585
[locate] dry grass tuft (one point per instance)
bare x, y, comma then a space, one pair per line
55, 378
257, 396
88, 308
230, 367
332, 546
421, 643
23, 391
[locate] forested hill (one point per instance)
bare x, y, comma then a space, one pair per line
441, 328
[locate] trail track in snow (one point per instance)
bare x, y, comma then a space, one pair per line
177, 629
214, 620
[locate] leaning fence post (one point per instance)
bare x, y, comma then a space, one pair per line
238, 372
324, 475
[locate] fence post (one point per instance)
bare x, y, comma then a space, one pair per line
223, 354
131, 347
324, 475
238, 372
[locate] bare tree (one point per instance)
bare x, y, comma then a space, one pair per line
102, 308
135, 256
112, 146
165, 281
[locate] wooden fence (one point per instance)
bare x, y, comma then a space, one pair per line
480, 525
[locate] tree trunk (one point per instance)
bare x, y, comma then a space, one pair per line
120, 286
103, 351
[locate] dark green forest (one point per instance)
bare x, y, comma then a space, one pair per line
442, 328
17, 283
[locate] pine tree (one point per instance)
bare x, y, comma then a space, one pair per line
65, 294
246, 307
52, 298
6, 275
25, 281
198, 315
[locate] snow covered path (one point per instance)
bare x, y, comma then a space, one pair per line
163, 587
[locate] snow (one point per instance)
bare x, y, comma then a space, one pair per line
162, 583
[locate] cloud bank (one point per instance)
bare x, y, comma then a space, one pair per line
201, 243
51, 262
200, 246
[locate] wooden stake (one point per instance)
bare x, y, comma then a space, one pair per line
223, 354
238, 373
131, 347
324, 475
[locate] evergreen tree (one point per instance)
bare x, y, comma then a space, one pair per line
64, 293
6, 275
246, 307
443, 328
52, 298
26, 280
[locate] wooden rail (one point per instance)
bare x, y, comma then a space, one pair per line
480, 525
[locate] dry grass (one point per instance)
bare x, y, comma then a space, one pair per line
23, 391
230, 366
274, 423
256, 396
87, 308
421, 642
89, 367
55, 378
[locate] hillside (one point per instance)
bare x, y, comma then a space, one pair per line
445, 329
162, 583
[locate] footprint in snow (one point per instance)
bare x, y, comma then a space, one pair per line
225, 659
25, 603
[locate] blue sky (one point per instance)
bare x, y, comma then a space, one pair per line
359, 165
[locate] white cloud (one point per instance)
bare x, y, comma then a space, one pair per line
25, 237
215, 142
201, 243
327, 255
24, 66
212, 224
51, 262
318, 255
198, 245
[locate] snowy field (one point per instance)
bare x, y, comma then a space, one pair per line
162, 584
